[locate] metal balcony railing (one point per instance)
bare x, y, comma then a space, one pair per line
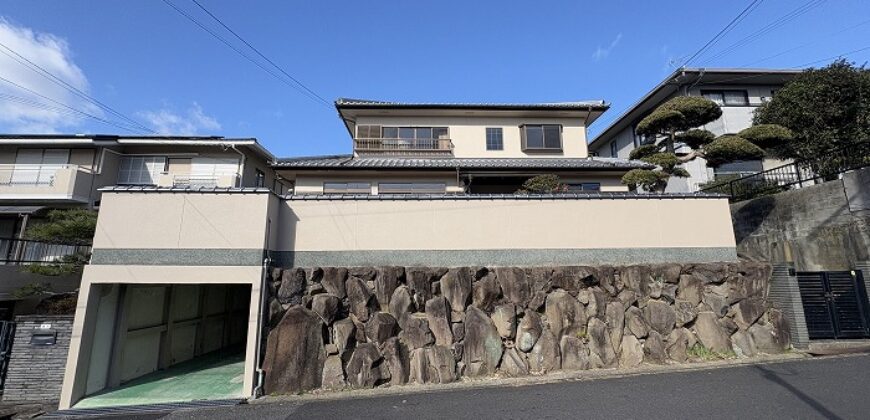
30, 175
403, 146
24, 251
797, 174
205, 181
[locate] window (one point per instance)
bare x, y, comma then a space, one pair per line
368, 131
347, 188
408, 133
140, 170
38, 166
727, 97
412, 188
494, 139
260, 180
542, 137
584, 187
613, 149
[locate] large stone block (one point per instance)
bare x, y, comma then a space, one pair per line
660, 316
359, 298
333, 281
505, 319
438, 315
514, 363
601, 352
482, 346
711, 333
575, 353
546, 355
380, 327
386, 282
486, 292
565, 314
294, 353
416, 333
292, 286
456, 287
363, 369
514, 285
631, 353
529, 331
326, 306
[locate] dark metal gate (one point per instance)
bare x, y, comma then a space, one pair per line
7, 334
835, 304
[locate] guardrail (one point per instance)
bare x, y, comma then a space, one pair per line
794, 175
403, 145
30, 175
24, 251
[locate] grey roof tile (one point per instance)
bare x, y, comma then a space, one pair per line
350, 162
349, 102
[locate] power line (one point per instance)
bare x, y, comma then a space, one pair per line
77, 111
779, 22
834, 57
246, 56
36, 68
806, 44
259, 53
737, 19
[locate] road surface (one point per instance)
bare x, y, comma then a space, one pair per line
836, 387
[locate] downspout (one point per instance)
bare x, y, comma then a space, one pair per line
241, 167
258, 390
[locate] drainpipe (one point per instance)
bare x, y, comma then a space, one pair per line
258, 390
241, 167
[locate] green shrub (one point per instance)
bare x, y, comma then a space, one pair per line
646, 179
666, 161
67, 226
542, 184
643, 151
730, 148
695, 138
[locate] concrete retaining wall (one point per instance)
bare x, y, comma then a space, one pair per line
818, 228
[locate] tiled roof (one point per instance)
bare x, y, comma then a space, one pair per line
350, 162
471, 197
366, 103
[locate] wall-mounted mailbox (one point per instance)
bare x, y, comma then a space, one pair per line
43, 338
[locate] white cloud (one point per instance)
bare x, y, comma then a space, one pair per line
602, 52
190, 122
25, 112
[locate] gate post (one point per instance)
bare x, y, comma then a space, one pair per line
786, 296
864, 268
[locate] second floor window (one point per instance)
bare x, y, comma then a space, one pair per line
494, 139
727, 97
140, 170
408, 133
614, 150
584, 187
542, 137
260, 181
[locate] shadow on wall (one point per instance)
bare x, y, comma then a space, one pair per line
751, 216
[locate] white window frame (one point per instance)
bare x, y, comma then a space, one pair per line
132, 170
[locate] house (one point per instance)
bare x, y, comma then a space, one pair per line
190, 288
453, 148
737, 91
40, 172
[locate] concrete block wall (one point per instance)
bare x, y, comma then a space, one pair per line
36, 372
785, 295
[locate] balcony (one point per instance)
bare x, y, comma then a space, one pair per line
26, 252
64, 183
198, 181
403, 146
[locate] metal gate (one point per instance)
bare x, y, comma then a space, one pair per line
7, 334
835, 304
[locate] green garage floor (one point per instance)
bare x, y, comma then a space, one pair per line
209, 377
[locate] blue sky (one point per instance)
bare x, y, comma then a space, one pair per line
148, 62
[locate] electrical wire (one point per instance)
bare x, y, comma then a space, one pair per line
733, 23
246, 56
36, 68
806, 44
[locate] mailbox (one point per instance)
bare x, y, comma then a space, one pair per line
43, 338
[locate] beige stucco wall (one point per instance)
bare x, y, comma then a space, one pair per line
504, 224
167, 220
469, 134
313, 183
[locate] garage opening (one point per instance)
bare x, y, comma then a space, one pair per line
161, 343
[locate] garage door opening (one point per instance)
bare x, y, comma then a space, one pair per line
162, 343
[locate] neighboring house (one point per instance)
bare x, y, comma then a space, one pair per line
737, 91
437, 148
41, 172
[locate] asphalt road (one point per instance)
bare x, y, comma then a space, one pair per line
831, 388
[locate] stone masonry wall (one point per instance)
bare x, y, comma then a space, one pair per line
36, 372
335, 327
